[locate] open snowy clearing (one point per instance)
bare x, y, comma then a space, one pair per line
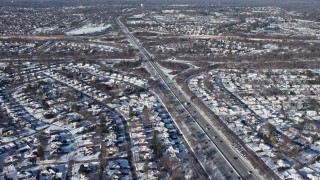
88, 29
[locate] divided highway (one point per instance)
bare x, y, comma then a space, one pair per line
220, 151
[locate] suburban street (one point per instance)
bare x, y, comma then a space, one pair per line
218, 148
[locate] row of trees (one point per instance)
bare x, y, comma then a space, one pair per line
42, 146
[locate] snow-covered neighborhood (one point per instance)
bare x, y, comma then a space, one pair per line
276, 113
77, 119
159, 89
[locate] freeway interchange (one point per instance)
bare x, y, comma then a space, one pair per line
227, 159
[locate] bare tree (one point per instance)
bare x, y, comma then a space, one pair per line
146, 116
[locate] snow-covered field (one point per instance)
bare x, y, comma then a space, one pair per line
44, 29
88, 29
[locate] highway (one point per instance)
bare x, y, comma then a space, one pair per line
219, 149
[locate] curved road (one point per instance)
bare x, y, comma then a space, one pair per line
227, 159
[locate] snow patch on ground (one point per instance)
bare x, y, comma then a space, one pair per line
167, 72
44, 29
182, 62
271, 47
88, 29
